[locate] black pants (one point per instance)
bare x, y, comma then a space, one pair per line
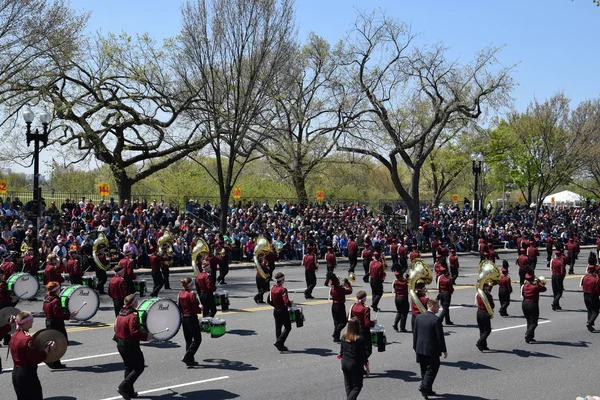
522, 272
330, 269
571, 261
209, 307
223, 270
394, 261
429, 370
592, 303
413, 317
533, 262
102, 278
366, 334
403, 262
454, 274
531, 311
377, 290
484, 322
58, 325
338, 312
157, 280
263, 286
76, 280
133, 358
27, 384
352, 259
118, 305
366, 268
445, 299
311, 282
557, 289
191, 333
504, 297
548, 254
353, 378
130, 285
6, 338
165, 273
213, 275
282, 320
401, 311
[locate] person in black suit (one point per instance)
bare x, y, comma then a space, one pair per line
429, 345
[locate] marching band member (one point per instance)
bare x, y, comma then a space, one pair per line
367, 258
504, 289
53, 270
422, 295
190, 308
310, 271
8, 266
331, 263
402, 256
28, 264
338, 307
352, 253
26, 358
445, 290
532, 254
572, 253
156, 263
400, 288
354, 358
117, 289
5, 301
377, 274
100, 273
530, 291
278, 298
128, 335
128, 265
591, 291
493, 255
363, 314
74, 268
523, 263
440, 266
56, 316
484, 321
262, 284
414, 253
559, 271
206, 290
394, 253
454, 265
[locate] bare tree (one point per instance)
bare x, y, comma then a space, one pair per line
416, 98
231, 52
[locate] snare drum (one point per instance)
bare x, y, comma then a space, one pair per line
156, 315
378, 337
296, 315
222, 299
89, 281
206, 324
218, 328
23, 285
140, 286
73, 298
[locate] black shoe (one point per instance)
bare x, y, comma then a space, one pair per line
133, 395
335, 340
223, 283
308, 296
480, 347
279, 347
532, 340
395, 328
375, 309
256, 300
424, 394
558, 307
553, 307
284, 348
124, 394
450, 323
527, 340
261, 302
403, 330
590, 328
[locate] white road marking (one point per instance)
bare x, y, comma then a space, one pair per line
468, 275
517, 326
172, 387
74, 359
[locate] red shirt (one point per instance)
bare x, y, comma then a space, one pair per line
522, 261
29, 266
9, 268
330, 259
493, 256
376, 270
453, 261
264, 263
394, 248
352, 247
439, 269
481, 304
309, 262
363, 313
23, 351
558, 267
532, 252
414, 254
413, 307
367, 256
204, 283
505, 283
400, 287
590, 284
52, 273
279, 297
128, 327
573, 247
127, 264
117, 287
445, 284
53, 308
188, 303
402, 252
339, 292
531, 292
156, 261
73, 268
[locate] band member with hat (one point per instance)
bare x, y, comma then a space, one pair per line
206, 290
591, 292
530, 291
278, 298
572, 253
262, 284
402, 257
421, 292
484, 320
310, 271
400, 289
53, 271
394, 253
454, 265
504, 290
6, 300
367, 257
445, 290
128, 266
362, 312
533, 254
440, 266
559, 271
26, 357
493, 255
156, 263
117, 289
8, 265
331, 262
128, 335
56, 316
523, 263
352, 253
377, 275
74, 268
190, 308
28, 264
414, 253
101, 273
338, 306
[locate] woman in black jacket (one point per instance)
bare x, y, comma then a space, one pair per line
354, 359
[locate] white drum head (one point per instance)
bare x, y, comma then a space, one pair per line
26, 286
378, 328
84, 294
163, 314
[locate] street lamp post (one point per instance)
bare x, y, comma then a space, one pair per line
477, 159
36, 205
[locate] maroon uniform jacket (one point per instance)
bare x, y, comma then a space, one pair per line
127, 264
23, 351
117, 287
363, 314
128, 327
402, 252
264, 263
352, 247
52, 273
376, 270
443, 251
394, 248
598, 243
339, 292
573, 247
73, 268
453, 261
204, 283
414, 254
29, 266
5, 299
435, 244
505, 283
532, 252
522, 261
439, 269
330, 259
367, 255
53, 308
188, 303
557, 266
493, 256
400, 287
445, 285
156, 261
413, 307
9, 268
309, 262
279, 297
531, 292
590, 284
481, 304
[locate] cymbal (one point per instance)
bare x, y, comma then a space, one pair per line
5, 315
43, 336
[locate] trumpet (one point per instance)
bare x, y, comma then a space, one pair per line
541, 280
351, 277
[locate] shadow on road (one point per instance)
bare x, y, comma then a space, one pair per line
61, 398
581, 343
163, 345
100, 368
467, 365
242, 332
74, 343
406, 376
525, 353
213, 394
451, 396
218, 363
315, 352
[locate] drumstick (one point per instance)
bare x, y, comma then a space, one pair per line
164, 330
376, 315
294, 296
83, 305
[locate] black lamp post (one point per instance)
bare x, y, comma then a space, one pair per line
36, 205
477, 159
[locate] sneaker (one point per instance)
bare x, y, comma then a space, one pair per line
124, 394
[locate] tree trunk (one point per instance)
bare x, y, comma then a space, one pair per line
224, 197
412, 203
124, 184
299, 182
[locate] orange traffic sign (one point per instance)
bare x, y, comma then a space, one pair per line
320, 195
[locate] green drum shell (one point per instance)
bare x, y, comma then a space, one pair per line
66, 293
218, 328
206, 324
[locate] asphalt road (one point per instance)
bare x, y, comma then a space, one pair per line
244, 363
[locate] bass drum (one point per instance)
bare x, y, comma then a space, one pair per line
23, 285
160, 317
82, 299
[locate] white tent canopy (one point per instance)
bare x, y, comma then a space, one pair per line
565, 197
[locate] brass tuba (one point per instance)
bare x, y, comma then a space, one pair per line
488, 274
201, 247
418, 271
351, 276
165, 240
541, 280
101, 240
262, 248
